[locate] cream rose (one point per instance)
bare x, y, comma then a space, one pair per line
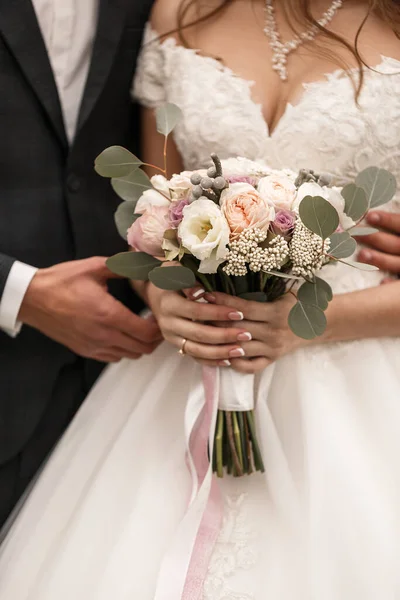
180, 185
150, 198
161, 184
244, 207
278, 190
332, 194
205, 233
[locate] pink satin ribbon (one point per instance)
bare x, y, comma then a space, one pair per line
211, 522
185, 565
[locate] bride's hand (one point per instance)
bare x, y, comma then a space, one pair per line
268, 324
178, 318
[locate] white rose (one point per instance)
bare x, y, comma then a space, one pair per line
180, 184
332, 194
278, 190
204, 231
150, 198
161, 184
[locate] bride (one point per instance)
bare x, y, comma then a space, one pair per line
323, 522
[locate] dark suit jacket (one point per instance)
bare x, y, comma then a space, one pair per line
53, 206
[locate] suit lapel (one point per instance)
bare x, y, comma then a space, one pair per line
109, 31
21, 32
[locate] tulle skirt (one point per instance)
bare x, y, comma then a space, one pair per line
322, 523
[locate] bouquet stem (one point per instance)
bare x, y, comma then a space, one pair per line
236, 447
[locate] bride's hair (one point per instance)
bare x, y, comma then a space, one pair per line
299, 12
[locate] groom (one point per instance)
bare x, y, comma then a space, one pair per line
66, 72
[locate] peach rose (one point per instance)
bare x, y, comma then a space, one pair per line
243, 208
278, 190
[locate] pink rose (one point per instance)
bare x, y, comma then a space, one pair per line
242, 179
176, 212
244, 208
147, 232
284, 222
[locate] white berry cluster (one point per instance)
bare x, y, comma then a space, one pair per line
246, 251
307, 251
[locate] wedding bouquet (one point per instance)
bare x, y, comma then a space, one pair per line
244, 229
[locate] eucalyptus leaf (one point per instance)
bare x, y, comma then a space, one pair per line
254, 296
125, 216
360, 266
342, 245
172, 278
378, 184
132, 186
323, 284
133, 265
319, 216
116, 162
167, 117
314, 294
359, 231
307, 321
356, 201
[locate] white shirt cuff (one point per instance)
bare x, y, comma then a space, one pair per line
17, 283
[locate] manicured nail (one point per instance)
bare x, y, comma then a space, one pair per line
374, 218
237, 353
200, 292
211, 297
236, 316
245, 337
202, 301
225, 363
365, 255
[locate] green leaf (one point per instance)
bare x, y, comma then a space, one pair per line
313, 294
125, 216
254, 296
319, 216
378, 184
132, 186
116, 162
133, 265
172, 278
167, 117
323, 284
360, 266
342, 245
358, 231
356, 202
307, 321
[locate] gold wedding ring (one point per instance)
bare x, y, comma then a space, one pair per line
182, 350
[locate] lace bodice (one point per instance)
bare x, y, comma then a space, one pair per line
325, 130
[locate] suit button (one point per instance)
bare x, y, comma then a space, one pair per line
73, 183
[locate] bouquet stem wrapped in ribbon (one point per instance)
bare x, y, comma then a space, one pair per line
241, 228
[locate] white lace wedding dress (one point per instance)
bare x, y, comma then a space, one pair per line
324, 521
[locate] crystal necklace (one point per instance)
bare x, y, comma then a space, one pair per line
281, 50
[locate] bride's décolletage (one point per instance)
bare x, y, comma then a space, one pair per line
323, 521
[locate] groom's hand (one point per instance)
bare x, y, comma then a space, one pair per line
70, 303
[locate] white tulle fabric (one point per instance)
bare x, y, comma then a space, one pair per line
324, 521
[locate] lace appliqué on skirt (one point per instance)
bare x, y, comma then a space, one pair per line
234, 552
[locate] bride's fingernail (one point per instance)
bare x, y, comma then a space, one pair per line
245, 337
374, 218
200, 292
236, 316
202, 301
225, 363
237, 353
211, 297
